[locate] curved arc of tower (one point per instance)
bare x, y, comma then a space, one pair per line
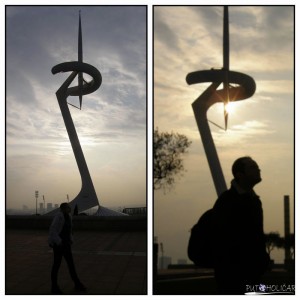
79, 67
245, 88
87, 196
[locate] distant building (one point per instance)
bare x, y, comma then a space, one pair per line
164, 262
182, 261
55, 205
41, 210
49, 207
132, 211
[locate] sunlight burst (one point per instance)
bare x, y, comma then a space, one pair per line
229, 107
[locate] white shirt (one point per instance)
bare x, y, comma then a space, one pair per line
56, 228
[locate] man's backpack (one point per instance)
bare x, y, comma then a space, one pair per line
200, 246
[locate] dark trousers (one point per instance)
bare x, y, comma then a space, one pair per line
60, 252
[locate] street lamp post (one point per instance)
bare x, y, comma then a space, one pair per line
162, 255
36, 197
44, 204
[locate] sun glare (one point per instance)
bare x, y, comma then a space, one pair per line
229, 107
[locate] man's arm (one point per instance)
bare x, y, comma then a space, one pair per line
55, 229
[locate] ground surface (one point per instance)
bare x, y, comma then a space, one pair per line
108, 263
202, 282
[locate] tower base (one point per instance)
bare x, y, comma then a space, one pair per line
106, 212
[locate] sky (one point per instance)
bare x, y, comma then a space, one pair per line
112, 123
188, 39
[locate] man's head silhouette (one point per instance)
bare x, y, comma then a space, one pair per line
246, 172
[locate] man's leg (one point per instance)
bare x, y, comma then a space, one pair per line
71, 266
57, 257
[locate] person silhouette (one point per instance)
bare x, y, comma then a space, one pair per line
60, 240
239, 245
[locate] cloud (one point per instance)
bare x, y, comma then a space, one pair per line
123, 87
163, 32
243, 132
114, 41
262, 46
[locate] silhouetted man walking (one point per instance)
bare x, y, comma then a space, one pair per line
60, 239
240, 252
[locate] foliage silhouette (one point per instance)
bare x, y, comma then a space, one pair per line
168, 149
273, 240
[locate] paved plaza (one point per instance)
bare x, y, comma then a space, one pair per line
107, 262
202, 282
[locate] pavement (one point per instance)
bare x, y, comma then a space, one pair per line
192, 281
107, 262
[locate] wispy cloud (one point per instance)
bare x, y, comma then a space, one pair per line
241, 134
38, 38
188, 39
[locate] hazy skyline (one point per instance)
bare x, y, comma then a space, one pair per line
188, 39
112, 123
